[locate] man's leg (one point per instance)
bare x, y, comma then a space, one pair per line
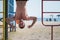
8, 22
26, 17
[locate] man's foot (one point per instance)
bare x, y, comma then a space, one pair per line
29, 26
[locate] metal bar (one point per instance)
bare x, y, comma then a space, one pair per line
1, 25
3, 20
51, 32
5, 15
0, 0
51, 0
11, 12
8, 12
1, 12
51, 12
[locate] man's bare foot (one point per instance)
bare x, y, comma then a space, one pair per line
29, 26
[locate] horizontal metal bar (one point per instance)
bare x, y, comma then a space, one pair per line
1, 0
11, 12
8, 12
51, 12
51, 0
1, 12
1, 25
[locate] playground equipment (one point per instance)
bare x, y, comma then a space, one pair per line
1, 27
47, 13
2, 20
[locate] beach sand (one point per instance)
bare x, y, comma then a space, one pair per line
1, 31
37, 32
1, 23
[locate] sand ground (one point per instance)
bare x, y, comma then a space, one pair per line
37, 32
1, 31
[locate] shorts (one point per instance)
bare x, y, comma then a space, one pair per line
21, 16
21, 0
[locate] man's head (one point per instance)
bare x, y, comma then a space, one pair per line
21, 25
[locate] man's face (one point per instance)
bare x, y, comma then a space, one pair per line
21, 25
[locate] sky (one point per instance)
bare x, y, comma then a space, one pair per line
1, 6
50, 6
33, 7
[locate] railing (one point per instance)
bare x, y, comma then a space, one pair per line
1, 26
1, 12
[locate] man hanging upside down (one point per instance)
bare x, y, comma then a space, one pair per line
21, 14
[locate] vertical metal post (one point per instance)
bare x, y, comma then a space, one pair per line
52, 32
3, 20
6, 13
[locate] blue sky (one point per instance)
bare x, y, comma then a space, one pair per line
51, 6
33, 7
1, 6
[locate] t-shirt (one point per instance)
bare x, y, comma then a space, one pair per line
13, 22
